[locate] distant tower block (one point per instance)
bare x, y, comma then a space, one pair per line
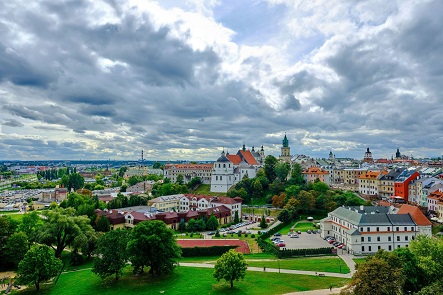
142, 156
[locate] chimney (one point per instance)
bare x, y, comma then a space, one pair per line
362, 207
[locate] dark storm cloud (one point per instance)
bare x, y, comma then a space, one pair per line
12, 123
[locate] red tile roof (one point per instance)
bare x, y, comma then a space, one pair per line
249, 158
315, 170
235, 159
415, 213
242, 246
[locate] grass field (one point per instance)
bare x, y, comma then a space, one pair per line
304, 226
359, 260
205, 189
184, 280
261, 211
286, 229
319, 264
13, 216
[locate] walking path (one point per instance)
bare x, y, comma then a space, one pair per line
289, 271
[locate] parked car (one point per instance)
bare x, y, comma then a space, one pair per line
308, 231
299, 232
277, 234
281, 244
211, 233
294, 236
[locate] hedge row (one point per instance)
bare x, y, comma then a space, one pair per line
206, 251
303, 252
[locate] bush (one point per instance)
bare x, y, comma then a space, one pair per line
246, 235
239, 234
253, 236
217, 234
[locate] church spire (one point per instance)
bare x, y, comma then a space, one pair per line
285, 141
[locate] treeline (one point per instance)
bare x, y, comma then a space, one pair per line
283, 186
416, 270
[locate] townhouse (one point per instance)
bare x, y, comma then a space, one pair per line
313, 173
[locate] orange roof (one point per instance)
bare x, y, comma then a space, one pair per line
370, 175
235, 159
249, 158
415, 213
315, 170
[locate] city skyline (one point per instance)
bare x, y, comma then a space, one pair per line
185, 79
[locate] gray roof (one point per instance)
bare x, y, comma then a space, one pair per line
375, 219
393, 174
369, 209
352, 232
347, 215
401, 219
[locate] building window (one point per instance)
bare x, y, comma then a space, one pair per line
369, 239
378, 247
362, 239
389, 228
361, 228
406, 238
398, 238
389, 239
369, 229
378, 229
363, 248
221, 177
397, 228
406, 229
412, 228
398, 246
378, 239
370, 248
390, 247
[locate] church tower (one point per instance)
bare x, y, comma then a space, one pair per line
285, 150
398, 154
368, 157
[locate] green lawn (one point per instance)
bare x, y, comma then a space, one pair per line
304, 226
251, 241
17, 217
194, 236
319, 264
185, 280
359, 260
205, 189
285, 230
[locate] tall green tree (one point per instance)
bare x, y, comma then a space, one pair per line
236, 218
16, 247
180, 179
111, 253
269, 167
7, 229
282, 170
231, 267
152, 244
38, 265
381, 274
297, 175
263, 223
212, 223
61, 227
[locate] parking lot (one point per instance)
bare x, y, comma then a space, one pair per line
305, 241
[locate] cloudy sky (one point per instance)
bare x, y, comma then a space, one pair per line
184, 79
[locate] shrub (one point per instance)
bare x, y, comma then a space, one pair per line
253, 236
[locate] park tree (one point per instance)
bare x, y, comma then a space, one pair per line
263, 223
257, 189
31, 225
61, 227
306, 201
212, 223
236, 218
279, 201
152, 244
111, 253
282, 170
7, 229
102, 224
194, 182
381, 274
321, 187
200, 224
297, 175
293, 206
157, 165
37, 266
16, 247
231, 267
284, 216
270, 162
191, 227
429, 253
182, 226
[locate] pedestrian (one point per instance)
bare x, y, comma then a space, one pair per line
264, 268
330, 287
